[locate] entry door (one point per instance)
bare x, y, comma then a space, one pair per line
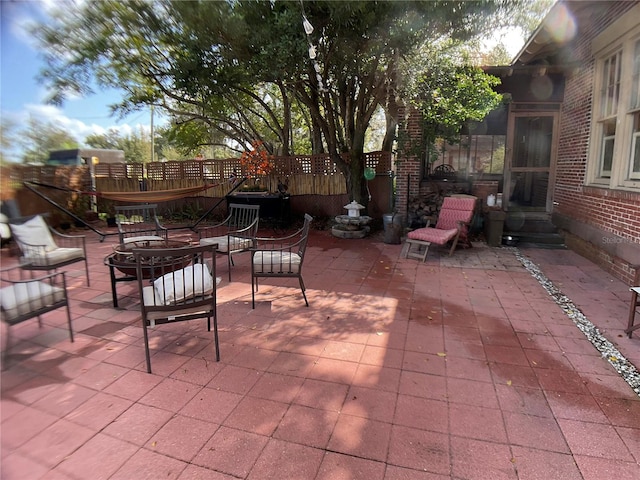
529, 173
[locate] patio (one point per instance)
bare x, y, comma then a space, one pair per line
463, 367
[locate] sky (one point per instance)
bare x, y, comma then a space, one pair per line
22, 96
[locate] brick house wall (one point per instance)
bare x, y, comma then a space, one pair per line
600, 223
408, 162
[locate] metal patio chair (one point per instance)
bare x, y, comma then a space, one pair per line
176, 285
235, 234
43, 248
22, 299
280, 258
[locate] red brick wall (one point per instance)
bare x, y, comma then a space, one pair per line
408, 164
613, 212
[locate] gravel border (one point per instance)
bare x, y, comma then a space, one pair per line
608, 351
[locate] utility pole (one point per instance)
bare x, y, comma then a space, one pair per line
153, 153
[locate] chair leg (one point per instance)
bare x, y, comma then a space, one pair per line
453, 245
146, 345
69, 322
229, 264
215, 337
7, 343
632, 314
254, 287
86, 271
303, 288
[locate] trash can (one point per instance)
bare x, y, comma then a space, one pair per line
493, 226
392, 228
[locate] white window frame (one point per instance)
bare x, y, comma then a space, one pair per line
635, 149
621, 38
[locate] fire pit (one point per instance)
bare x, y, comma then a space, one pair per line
122, 257
123, 260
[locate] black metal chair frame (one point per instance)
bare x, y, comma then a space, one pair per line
157, 270
33, 297
38, 257
635, 302
135, 221
240, 229
286, 256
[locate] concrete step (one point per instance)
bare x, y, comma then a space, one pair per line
536, 239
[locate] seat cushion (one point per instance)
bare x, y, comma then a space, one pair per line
22, 298
189, 282
265, 261
34, 232
433, 235
228, 242
55, 257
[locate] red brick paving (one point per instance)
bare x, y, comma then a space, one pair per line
462, 367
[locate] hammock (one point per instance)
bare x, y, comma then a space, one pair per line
132, 197
137, 197
152, 196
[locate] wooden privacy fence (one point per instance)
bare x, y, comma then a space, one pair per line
303, 174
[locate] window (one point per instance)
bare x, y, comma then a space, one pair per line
611, 85
614, 156
634, 166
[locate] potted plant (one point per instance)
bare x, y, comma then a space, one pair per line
108, 210
256, 163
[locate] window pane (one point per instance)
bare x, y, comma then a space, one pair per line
532, 142
607, 156
634, 173
635, 86
610, 85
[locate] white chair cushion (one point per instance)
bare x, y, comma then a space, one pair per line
22, 298
143, 238
183, 284
227, 242
265, 261
34, 232
56, 256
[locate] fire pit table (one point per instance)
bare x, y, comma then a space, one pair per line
123, 261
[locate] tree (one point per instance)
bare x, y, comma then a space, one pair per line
136, 146
7, 140
242, 68
38, 138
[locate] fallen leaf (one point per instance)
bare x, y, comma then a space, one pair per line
509, 382
441, 354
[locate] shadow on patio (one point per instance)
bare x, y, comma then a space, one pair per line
460, 367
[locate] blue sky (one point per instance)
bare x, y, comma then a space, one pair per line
21, 96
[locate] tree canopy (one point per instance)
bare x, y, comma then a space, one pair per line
234, 72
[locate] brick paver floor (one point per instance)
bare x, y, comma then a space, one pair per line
463, 367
